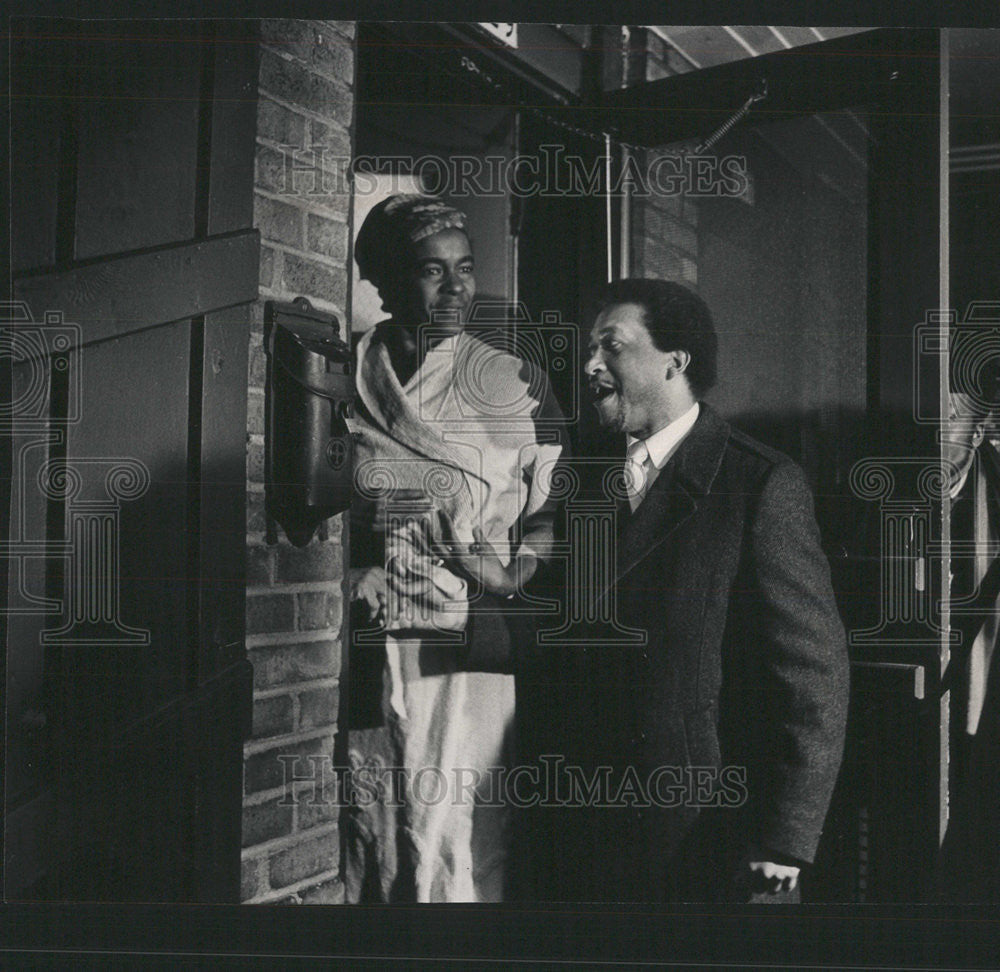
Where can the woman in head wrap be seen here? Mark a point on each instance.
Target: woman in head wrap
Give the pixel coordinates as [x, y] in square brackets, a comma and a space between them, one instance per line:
[456, 441]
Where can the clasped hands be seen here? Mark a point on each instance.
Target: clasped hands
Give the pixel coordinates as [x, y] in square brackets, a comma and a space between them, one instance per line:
[476, 562]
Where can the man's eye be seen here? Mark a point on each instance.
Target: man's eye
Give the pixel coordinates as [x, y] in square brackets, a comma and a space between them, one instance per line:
[467, 269]
[430, 271]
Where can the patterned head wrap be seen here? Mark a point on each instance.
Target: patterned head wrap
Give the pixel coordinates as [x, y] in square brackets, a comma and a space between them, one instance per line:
[390, 228]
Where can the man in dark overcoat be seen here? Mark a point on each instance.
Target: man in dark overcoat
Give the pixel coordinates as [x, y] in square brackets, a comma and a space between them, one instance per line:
[690, 752]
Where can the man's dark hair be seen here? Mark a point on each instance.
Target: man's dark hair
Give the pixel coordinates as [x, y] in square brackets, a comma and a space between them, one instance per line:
[677, 320]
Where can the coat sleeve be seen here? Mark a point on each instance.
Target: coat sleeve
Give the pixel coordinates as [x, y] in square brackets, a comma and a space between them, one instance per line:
[551, 446]
[801, 669]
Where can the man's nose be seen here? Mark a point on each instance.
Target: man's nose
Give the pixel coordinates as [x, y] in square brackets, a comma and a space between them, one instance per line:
[453, 283]
[593, 364]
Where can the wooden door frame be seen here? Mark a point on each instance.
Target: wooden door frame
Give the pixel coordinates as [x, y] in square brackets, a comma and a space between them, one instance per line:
[207, 285]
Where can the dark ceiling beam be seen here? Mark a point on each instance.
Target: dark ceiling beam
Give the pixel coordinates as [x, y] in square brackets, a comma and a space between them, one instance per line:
[868, 69]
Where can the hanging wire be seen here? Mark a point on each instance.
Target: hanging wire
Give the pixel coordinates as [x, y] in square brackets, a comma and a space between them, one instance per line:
[601, 137]
[759, 95]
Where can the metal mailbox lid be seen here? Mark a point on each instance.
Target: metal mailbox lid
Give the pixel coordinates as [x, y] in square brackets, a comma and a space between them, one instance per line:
[307, 346]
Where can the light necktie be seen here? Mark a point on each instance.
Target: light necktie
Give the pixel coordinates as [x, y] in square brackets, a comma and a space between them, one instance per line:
[635, 471]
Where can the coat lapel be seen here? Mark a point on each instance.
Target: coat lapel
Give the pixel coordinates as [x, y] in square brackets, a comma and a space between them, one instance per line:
[675, 495]
[662, 511]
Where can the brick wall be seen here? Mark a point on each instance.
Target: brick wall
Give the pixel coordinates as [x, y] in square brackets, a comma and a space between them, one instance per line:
[294, 597]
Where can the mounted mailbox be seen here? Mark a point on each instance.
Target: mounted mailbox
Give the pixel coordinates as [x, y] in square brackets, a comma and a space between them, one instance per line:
[308, 398]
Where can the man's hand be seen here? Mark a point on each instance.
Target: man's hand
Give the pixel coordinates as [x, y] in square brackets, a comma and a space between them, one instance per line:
[476, 561]
[368, 585]
[765, 876]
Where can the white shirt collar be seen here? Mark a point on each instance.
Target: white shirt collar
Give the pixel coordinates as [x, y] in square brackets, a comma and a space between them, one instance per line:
[663, 443]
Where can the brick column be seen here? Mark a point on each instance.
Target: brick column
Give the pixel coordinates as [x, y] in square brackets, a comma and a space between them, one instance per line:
[294, 603]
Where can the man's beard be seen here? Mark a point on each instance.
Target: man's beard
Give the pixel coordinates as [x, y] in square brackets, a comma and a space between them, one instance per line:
[613, 420]
[617, 421]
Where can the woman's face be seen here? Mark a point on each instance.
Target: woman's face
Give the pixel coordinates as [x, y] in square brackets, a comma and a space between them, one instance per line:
[961, 437]
[440, 281]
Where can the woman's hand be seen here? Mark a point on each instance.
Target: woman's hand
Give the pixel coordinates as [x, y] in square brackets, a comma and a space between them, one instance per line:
[368, 585]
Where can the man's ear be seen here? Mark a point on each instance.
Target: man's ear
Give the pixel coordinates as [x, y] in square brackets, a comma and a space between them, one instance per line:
[677, 362]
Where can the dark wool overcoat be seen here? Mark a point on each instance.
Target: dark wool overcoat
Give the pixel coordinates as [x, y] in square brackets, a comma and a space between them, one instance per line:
[709, 714]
